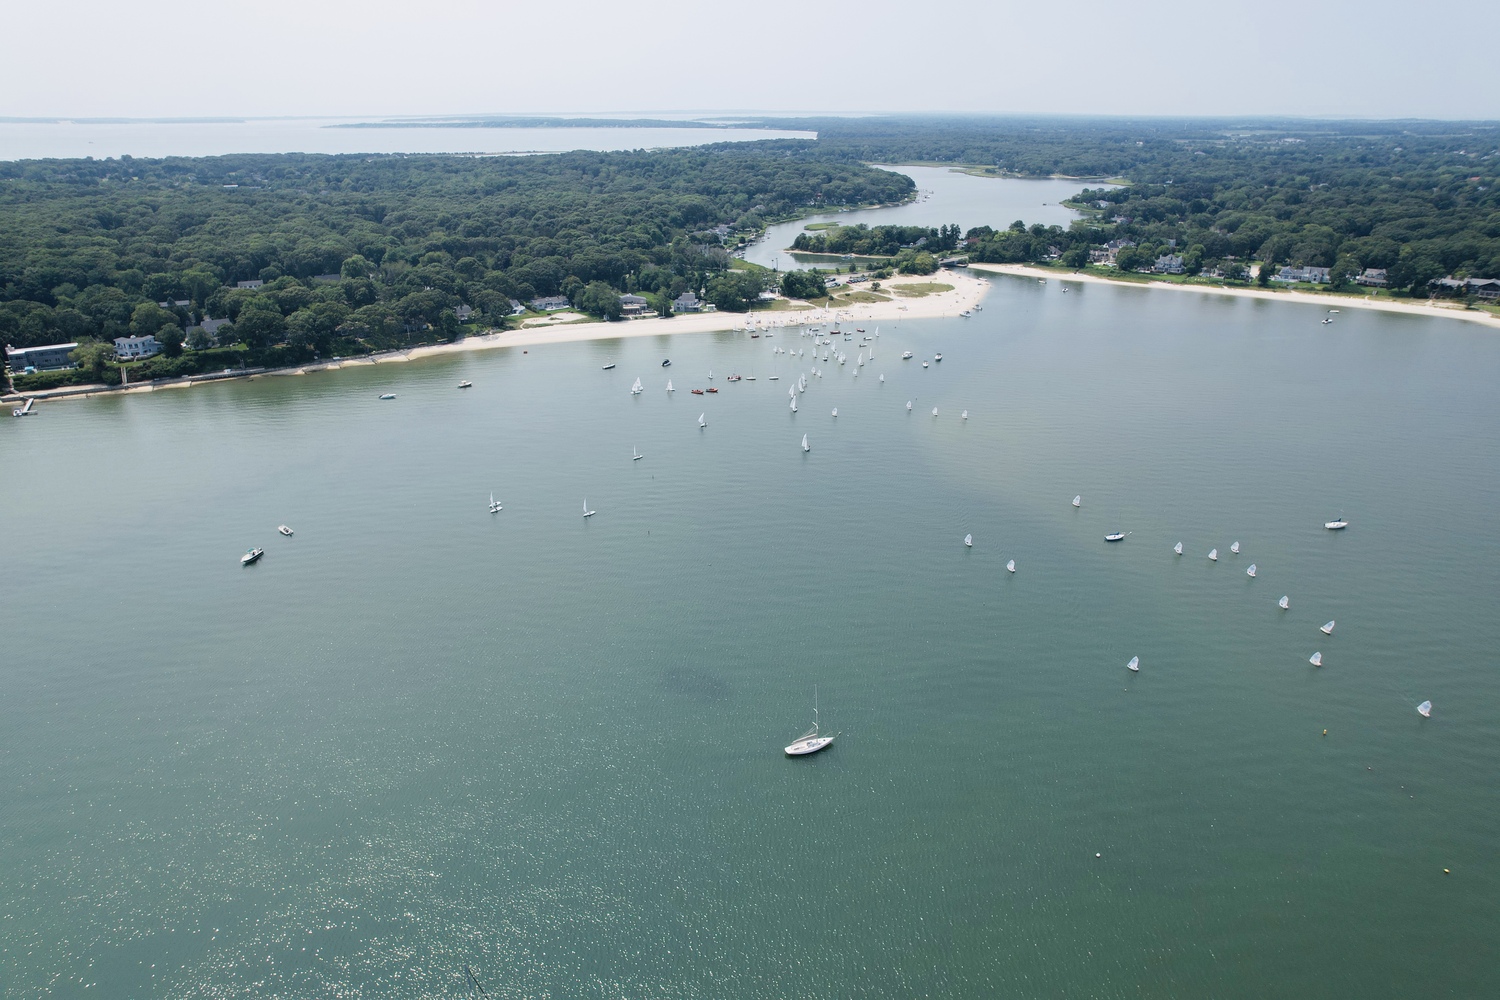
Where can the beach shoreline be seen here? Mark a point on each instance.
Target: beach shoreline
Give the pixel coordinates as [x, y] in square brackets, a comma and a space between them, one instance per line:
[966, 293]
[1433, 309]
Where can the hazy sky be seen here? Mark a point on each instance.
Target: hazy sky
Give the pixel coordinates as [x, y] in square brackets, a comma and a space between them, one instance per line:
[1372, 58]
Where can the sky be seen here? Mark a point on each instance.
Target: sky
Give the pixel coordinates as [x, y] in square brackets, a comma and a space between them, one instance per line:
[174, 58]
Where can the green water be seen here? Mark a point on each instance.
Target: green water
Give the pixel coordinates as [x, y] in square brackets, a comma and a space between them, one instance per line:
[417, 735]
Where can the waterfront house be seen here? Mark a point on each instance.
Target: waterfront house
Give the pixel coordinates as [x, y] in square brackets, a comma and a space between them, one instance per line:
[1373, 276]
[40, 359]
[687, 302]
[463, 312]
[634, 305]
[135, 348]
[1309, 275]
[516, 308]
[549, 303]
[1484, 288]
[1168, 264]
[256, 283]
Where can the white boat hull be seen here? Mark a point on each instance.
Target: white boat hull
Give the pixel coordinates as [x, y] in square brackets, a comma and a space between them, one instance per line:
[810, 745]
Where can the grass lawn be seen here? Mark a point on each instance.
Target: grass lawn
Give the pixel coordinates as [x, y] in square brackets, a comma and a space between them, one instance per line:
[851, 298]
[917, 289]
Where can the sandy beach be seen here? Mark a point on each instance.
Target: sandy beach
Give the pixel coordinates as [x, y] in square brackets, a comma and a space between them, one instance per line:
[1431, 309]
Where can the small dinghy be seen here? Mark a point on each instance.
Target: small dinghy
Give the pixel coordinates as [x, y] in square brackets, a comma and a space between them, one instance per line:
[1285, 603]
[794, 404]
[1425, 710]
[1177, 548]
[701, 421]
[835, 411]
[1078, 500]
[666, 363]
[1316, 659]
[1326, 629]
[908, 406]
[284, 530]
[387, 395]
[466, 384]
[586, 511]
[964, 415]
[934, 411]
[1234, 547]
[635, 456]
[924, 364]
[669, 386]
[1134, 666]
[1118, 536]
[637, 389]
[1213, 555]
[1010, 567]
[968, 541]
[1251, 571]
[608, 366]
[804, 443]
[882, 378]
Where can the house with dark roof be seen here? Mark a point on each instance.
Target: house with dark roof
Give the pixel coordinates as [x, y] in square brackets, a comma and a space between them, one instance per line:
[687, 302]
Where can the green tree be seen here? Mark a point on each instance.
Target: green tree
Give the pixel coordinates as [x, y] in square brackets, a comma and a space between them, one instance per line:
[260, 327]
[921, 262]
[599, 299]
[1267, 268]
[802, 285]
[148, 318]
[93, 357]
[170, 337]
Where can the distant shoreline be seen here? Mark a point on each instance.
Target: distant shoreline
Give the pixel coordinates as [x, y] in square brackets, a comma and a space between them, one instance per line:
[1432, 310]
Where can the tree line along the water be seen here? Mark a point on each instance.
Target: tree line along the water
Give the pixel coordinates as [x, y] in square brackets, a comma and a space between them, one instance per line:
[364, 252]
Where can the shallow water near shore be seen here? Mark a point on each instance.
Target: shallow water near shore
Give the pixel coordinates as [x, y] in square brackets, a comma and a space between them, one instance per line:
[417, 734]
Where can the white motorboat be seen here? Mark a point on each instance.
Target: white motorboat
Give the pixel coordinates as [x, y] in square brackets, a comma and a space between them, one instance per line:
[1336, 525]
[1134, 665]
[924, 364]
[968, 541]
[635, 455]
[811, 741]
[1316, 659]
[1326, 629]
[251, 556]
[387, 395]
[609, 366]
[1177, 548]
[1010, 567]
[284, 530]
[1213, 555]
[937, 357]
[1234, 547]
[466, 384]
[906, 355]
[1078, 500]
[1285, 603]
[1251, 571]
[804, 443]
[1425, 710]
[1118, 536]
[586, 511]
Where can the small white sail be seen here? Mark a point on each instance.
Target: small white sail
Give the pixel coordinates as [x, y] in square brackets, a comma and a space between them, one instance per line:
[669, 386]
[1316, 659]
[1285, 603]
[1326, 629]
[635, 455]
[1010, 566]
[934, 411]
[1425, 710]
[969, 541]
[835, 411]
[964, 415]
[1177, 548]
[1251, 570]
[1078, 500]
[636, 389]
[1234, 547]
[701, 421]
[882, 378]
[1213, 555]
[908, 406]
[1134, 664]
[586, 511]
[804, 443]
[794, 404]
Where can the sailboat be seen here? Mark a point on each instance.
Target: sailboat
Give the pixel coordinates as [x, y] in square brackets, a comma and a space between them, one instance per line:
[882, 378]
[495, 505]
[636, 389]
[794, 404]
[964, 415]
[1118, 536]
[1326, 629]
[934, 411]
[1078, 500]
[968, 541]
[1010, 567]
[701, 421]
[1213, 555]
[1338, 524]
[669, 386]
[1234, 547]
[1316, 659]
[1134, 665]
[835, 411]
[1177, 548]
[1251, 571]
[804, 443]
[810, 741]
[1425, 710]
[710, 374]
[586, 511]
[1285, 603]
[908, 406]
[635, 456]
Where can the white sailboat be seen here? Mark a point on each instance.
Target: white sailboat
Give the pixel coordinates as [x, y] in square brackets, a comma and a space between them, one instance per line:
[1338, 524]
[635, 456]
[1285, 603]
[1251, 571]
[835, 411]
[495, 505]
[1177, 548]
[637, 389]
[968, 541]
[1213, 555]
[710, 374]
[804, 443]
[702, 422]
[669, 386]
[1326, 629]
[586, 511]
[1234, 547]
[934, 411]
[1078, 500]
[908, 406]
[1010, 567]
[810, 741]
[1134, 666]
[1316, 659]
[964, 415]
[794, 404]
[1425, 710]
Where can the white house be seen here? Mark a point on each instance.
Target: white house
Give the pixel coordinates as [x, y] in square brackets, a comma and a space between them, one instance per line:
[686, 302]
[135, 348]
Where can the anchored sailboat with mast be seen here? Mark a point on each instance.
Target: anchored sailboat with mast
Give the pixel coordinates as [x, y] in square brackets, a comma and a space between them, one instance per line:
[810, 741]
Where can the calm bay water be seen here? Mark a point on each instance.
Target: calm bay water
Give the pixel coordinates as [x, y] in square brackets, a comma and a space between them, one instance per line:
[417, 735]
[40, 140]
